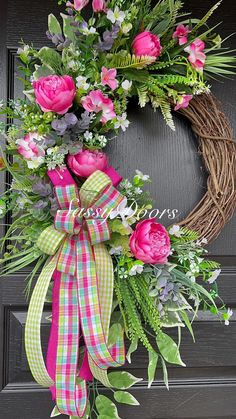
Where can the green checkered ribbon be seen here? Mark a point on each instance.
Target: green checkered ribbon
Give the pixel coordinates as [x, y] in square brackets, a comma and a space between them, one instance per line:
[33, 325]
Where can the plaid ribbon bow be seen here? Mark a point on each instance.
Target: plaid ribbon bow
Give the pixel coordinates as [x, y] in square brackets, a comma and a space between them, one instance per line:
[85, 291]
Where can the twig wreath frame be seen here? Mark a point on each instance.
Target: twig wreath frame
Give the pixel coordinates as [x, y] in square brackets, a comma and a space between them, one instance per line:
[218, 151]
[108, 273]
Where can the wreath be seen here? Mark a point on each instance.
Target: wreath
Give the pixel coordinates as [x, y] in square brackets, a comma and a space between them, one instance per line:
[100, 257]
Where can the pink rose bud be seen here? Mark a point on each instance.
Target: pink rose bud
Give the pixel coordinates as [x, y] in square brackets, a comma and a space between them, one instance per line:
[54, 93]
[99, 6]
[86, 162]
[147, 43]
[150, 242]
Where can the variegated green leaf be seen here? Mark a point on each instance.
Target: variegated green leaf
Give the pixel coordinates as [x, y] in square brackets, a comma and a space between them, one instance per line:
[122, 379]
[126, 398]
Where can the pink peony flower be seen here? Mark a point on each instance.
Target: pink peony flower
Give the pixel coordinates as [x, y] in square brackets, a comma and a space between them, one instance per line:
[54, 93]
[183, 102]
[99, 6]
[108, 77]
[147, 43]
[29, 148]
[196, 55]
[96, 102]
[150, 242]
[182, 33]
[78, 4]
[86, 162]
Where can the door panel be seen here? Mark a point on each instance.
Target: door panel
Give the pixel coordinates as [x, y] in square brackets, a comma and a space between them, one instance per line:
[206, 387]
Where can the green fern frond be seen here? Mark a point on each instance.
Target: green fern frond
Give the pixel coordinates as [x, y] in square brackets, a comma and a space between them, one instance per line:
[166, 112]
[210, 265]
[171, 79]
[166, 64]
[132, 317]
[205, 18]
[22, 184]
[187, 235]
[142, 95]
[155, 101]
[155, 89]
[159, 99]
[147, 308]
[121, 61]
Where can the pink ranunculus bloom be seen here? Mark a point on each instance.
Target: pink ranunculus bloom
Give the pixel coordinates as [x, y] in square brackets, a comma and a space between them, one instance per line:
[196, 55]
[30, 149]
[78, 4]
[182, 34]
[146, 43]
[150, 242]
[55, 93]
[96, 102]
[86, 162]
[99, 6]
[108, 76]
[183, 102]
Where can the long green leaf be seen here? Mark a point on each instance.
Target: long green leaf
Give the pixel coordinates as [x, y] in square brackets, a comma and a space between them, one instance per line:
[169, 349]
[152, 366]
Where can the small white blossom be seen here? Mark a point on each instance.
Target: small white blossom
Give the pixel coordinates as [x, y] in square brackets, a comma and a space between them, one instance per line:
[122, 211]
[116, 250]
[24, 50]
[102, 140]
[191, 276]
[138, 191]
[122, 122]
[127, 185]
[214, 276]
[91, 30]
[142, 176]
[88, 31]
[88, 135]
[175, 230]
[116, 16]
[126, 85]
[227, 316]
[123, 274]
[71, 64]
[81, 83]
[136, 269]
[50, 151]
[201, 242]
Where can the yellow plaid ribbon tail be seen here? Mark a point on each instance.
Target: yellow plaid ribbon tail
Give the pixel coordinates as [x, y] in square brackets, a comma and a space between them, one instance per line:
[33, 324]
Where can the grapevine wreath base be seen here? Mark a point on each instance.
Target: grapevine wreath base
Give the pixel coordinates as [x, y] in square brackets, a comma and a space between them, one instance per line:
[218, 150]
[107, 266]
